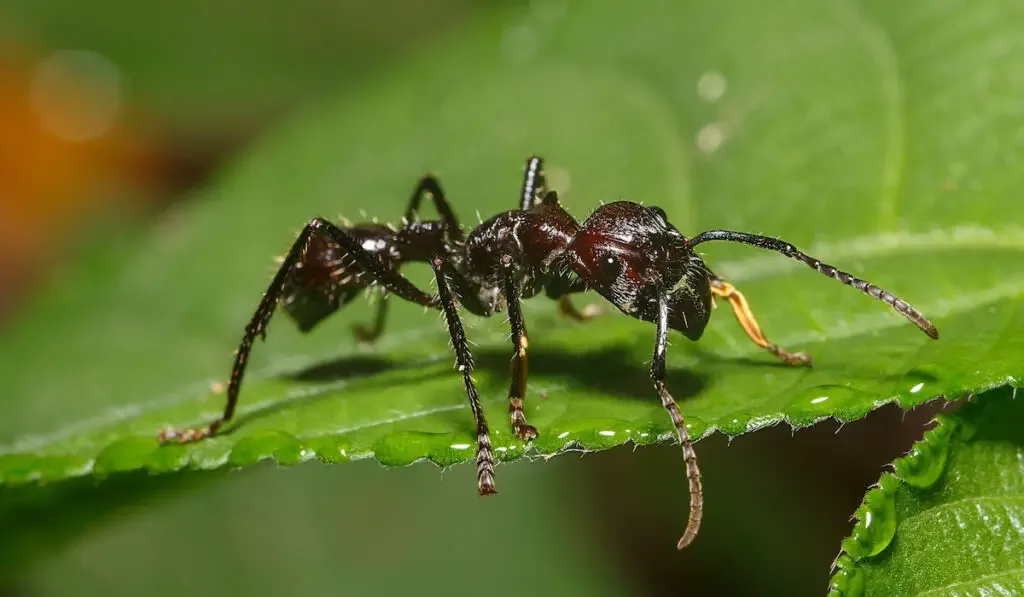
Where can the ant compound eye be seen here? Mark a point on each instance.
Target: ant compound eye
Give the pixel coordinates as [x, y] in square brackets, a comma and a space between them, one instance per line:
[660, 214]
[610, 266]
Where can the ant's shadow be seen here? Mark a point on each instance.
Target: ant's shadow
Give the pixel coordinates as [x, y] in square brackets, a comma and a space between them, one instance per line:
[613, 369]
[610, 369]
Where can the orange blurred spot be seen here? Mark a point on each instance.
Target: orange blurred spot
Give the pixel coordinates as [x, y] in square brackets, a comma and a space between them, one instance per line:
[51, 184]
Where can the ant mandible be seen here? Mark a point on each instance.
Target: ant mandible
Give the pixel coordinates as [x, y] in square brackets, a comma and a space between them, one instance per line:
[629, 253]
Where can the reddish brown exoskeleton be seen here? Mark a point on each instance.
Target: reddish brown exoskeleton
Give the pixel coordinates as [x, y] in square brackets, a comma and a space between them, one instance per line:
[629, 253]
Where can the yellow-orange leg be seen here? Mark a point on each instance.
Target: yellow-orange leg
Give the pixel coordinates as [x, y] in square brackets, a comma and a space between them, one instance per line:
[566, 308]
[745, 316]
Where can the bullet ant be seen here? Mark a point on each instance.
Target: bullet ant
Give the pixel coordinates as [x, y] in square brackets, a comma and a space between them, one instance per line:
[630, 254]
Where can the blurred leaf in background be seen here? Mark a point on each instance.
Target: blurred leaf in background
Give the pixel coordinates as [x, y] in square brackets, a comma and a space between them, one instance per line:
[114, 107]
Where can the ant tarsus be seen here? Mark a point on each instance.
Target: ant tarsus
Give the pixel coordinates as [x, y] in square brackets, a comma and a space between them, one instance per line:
[628, 253]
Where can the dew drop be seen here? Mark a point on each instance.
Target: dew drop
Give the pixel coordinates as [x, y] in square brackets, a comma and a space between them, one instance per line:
[876, 522]
[848, 580]
[917, 387]
[817, 402]
[606, 433]
[460, 446]
[923, 465]
[696, 427]
[732, 426]
[563, 435]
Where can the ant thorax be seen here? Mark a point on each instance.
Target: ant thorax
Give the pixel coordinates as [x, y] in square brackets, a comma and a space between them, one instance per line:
[629, 253]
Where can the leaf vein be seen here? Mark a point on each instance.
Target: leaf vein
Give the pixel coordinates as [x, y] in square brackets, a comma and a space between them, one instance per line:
[962, 501]
[1019, 572]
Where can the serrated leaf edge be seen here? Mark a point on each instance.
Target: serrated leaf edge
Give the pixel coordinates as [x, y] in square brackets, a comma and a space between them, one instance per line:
[847, 577]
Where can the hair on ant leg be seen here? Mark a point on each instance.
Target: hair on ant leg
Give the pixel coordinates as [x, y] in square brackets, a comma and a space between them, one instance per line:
[627, 252]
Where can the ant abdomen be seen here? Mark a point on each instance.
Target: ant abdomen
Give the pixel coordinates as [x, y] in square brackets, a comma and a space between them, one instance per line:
[627, 252]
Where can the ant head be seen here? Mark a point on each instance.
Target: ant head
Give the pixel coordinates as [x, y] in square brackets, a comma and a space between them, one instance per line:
[628, 252]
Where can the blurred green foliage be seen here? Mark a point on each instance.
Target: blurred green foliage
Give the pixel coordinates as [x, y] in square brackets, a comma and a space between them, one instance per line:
[207, 67]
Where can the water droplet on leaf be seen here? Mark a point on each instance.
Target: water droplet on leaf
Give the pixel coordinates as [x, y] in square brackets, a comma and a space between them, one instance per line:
[924, 465]
[876, 521]
[848, 580]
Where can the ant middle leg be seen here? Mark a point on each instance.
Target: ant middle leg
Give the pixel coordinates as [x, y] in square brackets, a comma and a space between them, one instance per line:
[741, 309]
[464, 360]
[430, 185]
[389, 278]
[520, 342]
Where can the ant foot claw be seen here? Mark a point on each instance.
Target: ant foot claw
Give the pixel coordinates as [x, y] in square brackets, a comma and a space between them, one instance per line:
[525, 432]
[364, 334]
[183, 436]
[798, 359]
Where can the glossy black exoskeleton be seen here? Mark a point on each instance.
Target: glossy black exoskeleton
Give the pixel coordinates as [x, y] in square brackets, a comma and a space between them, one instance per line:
[629, 253]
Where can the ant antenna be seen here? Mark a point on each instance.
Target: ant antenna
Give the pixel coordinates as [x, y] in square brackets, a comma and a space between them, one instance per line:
[780, 246]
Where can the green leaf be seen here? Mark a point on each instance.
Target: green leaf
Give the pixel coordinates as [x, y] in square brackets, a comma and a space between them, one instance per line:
[948, 521]
[831, 125]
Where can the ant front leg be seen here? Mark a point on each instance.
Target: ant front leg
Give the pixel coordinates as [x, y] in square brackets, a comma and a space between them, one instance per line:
[520, 341]
[389, 278]
[464, 359]
[745, 316]
[692, 470]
